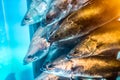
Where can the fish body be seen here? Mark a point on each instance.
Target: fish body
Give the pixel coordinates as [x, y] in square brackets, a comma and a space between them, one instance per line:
[37, 11]
[39, 44]
[88, 67]
[86, 19]
[50, 11]
[104, 41]
[61, 9]
[58, 49]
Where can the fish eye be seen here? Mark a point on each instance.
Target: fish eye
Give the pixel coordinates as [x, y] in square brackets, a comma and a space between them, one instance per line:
[56, 36]
[30, 56]
[51, 33]
[35, 58]
[26, 18]
[51, 65]
[75, 52]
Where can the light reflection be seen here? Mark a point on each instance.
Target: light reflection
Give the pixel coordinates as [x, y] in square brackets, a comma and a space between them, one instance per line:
[118, 19]
[118, 56]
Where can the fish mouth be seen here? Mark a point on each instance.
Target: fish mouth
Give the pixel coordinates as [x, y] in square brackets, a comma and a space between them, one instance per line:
[47, 67]
[26, 21]
[37, 50]
[28, 59]
[52, 38]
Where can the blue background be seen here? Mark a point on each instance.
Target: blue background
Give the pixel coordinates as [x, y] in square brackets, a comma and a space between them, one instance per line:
[14, 41]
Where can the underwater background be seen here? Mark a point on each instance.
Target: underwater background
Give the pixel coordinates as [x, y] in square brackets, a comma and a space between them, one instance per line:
[14, 41]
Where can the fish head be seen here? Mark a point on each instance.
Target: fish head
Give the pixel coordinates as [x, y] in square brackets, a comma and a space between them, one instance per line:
[53, 15]
[79, 52]
[36, 12]
[75, 53]
[66, 31]
[37, 49]
[29, 58]
[62, 68]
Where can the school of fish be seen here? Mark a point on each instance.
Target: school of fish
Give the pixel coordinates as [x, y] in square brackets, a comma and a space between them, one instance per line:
[75, 39]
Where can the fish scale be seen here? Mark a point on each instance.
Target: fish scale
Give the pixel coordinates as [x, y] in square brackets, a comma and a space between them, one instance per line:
[96, 69]
[61, 9]
[86, 19]
[104, 41]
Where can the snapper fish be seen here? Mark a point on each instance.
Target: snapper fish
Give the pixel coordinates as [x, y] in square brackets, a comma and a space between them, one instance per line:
[86, 19]
[104, 41]
[92, 67]
[51, 11]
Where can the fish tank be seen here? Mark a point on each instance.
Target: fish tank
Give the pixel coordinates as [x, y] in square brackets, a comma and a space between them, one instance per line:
[38, 40]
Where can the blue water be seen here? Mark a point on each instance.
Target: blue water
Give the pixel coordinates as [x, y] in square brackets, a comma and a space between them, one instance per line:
[14, 41]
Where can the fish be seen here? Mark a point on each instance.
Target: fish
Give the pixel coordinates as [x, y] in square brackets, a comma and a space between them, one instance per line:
[60, 9]
[51, 11]
[45, 76]
[36, 51]
[36, 12]
[104, 41]
[55, 59]
[89, 67]
[60, 49]
[86, 19]
[39, 45]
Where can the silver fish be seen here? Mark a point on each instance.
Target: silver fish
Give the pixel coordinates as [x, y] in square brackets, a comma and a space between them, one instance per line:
[104, 41]
[61, 9]
[37, 11]
[51, 11]
[86, 19]
[39, 45]
[60, 49]
[89, 67]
